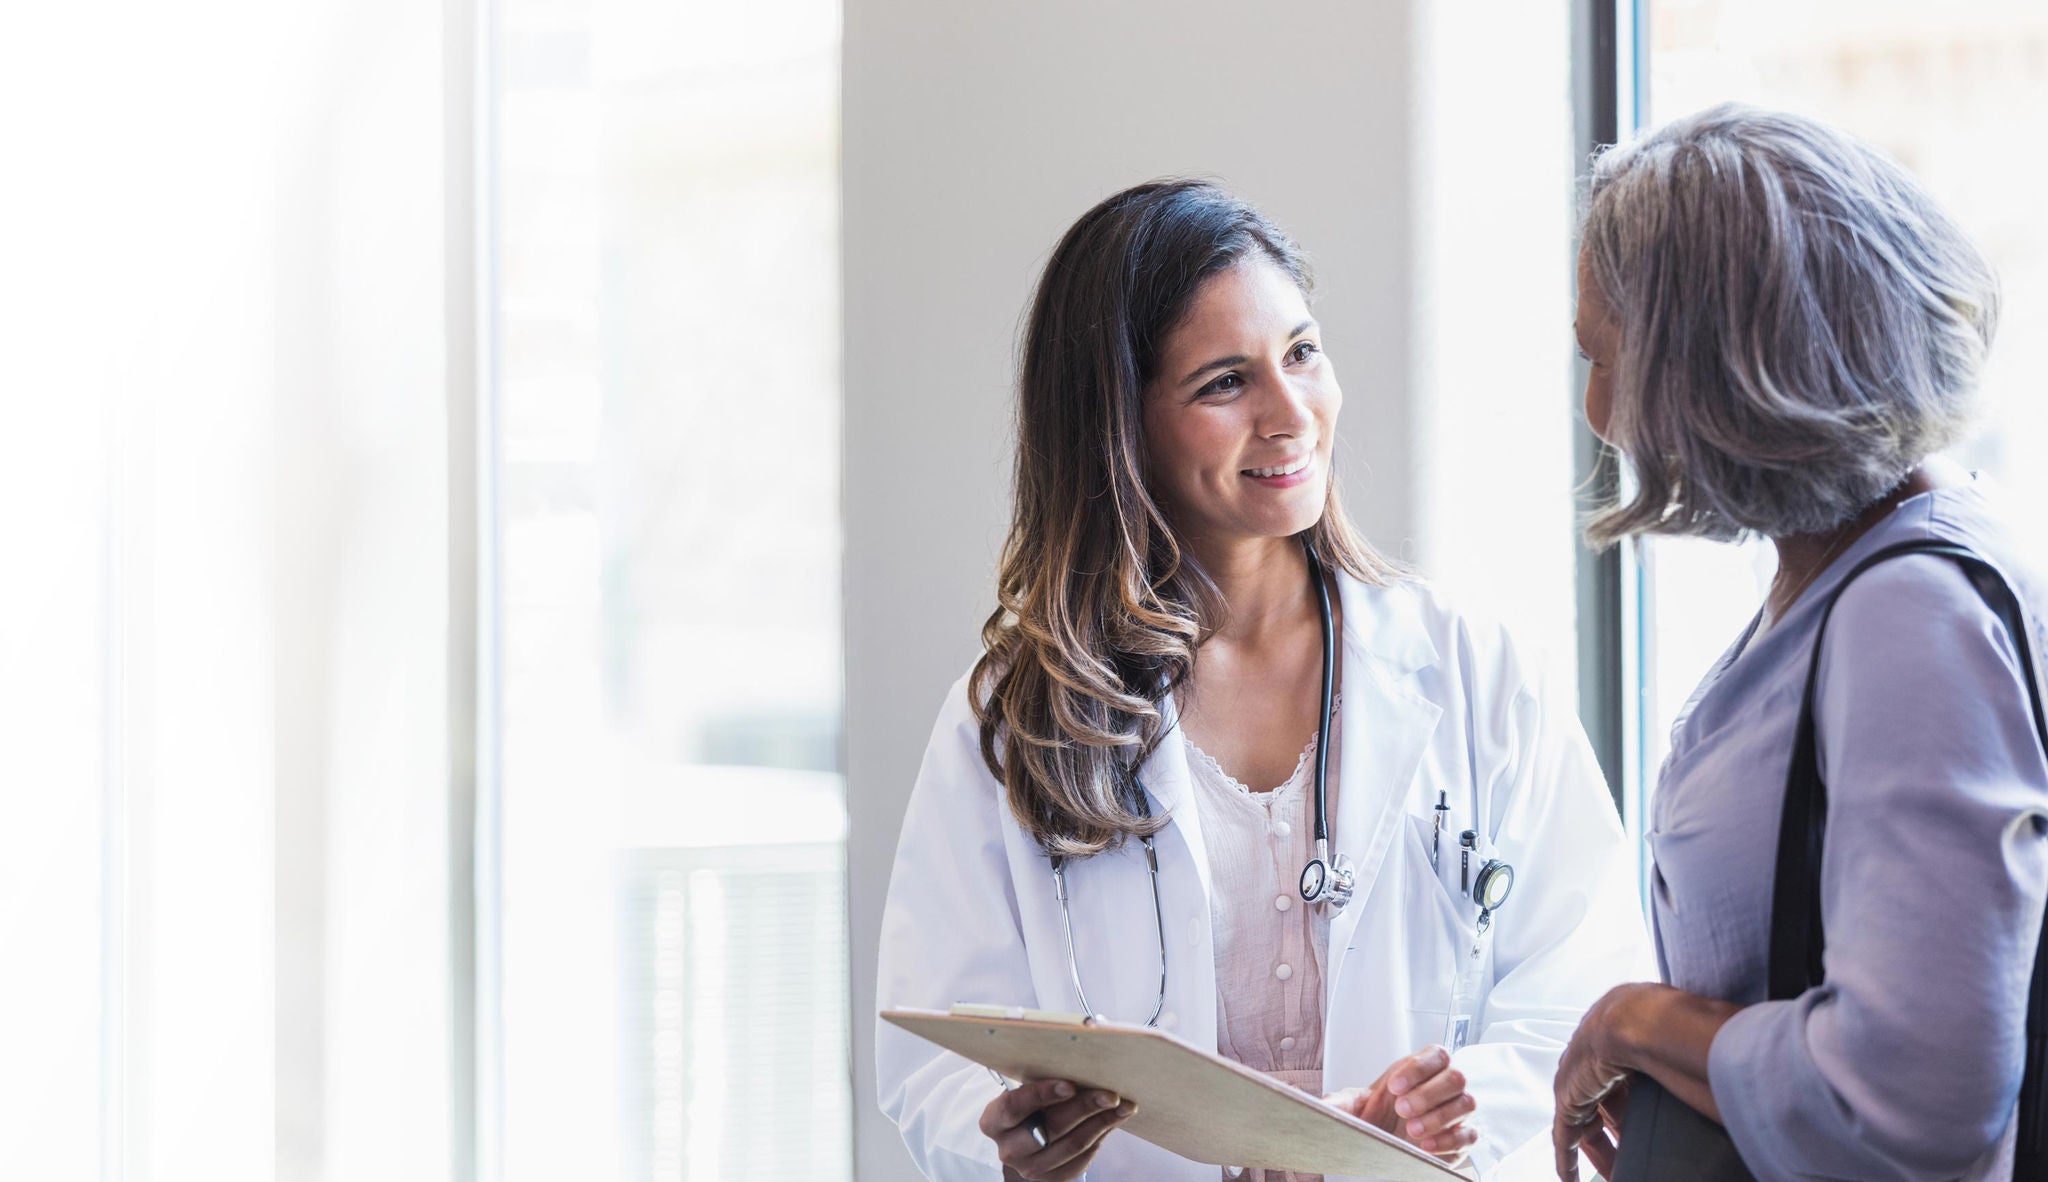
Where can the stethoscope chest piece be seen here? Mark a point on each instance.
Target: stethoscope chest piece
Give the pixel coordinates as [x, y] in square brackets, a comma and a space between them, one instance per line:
[1328, 880]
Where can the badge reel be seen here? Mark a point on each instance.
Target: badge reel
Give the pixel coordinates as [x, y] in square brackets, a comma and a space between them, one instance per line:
[1487, 889]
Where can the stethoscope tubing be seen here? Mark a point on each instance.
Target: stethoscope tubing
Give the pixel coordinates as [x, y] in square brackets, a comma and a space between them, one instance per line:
[1329, 703]
[1059, 878]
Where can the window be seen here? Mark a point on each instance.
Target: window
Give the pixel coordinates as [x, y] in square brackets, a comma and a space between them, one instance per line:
[672, 912]
[1957, 94]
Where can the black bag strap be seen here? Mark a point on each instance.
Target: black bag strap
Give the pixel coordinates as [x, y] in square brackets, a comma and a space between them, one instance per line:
[1797, 937]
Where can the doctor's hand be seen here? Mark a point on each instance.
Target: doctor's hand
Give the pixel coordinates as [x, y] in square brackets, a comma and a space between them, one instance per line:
[1073, 1123]
[1420, 1099]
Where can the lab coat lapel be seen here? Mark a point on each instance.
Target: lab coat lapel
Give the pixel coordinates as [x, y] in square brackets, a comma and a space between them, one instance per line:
[1183, 871]
[1166, 779]
[1386, 726]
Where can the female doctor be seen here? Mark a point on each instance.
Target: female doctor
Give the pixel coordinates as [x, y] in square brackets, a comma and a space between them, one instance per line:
[1197, 664]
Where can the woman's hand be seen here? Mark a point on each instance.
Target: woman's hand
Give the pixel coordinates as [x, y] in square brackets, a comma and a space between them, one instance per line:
[1420, 1099]
[1073, 1124]
[1591, 1084]
[1663, 1032]
[1600, 1139]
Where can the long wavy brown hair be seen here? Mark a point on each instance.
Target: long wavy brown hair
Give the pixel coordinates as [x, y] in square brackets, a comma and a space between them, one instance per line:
[1100, 608]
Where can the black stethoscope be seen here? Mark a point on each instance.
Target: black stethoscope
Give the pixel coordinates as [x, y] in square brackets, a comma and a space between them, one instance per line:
[1324, 881]
[1328, 881]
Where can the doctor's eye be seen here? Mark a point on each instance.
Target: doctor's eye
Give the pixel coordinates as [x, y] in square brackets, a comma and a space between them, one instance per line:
[1303, 351]
[1228, 383]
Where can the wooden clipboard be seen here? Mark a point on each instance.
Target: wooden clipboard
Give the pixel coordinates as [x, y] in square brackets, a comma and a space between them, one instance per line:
[1190, 1102]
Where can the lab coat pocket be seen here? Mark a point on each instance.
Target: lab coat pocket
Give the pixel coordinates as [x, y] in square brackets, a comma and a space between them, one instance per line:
[1439, 883]
[1448, 955]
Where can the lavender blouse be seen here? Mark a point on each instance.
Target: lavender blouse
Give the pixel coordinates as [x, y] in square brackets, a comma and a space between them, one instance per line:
[1906, 1063]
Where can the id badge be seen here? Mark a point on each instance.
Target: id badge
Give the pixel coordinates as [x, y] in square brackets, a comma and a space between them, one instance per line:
[1466, 992]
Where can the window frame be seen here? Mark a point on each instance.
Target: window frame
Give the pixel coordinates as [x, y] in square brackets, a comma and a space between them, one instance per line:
[1609, 98]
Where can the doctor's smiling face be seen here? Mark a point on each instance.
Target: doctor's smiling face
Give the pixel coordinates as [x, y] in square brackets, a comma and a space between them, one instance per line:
[1241, 415]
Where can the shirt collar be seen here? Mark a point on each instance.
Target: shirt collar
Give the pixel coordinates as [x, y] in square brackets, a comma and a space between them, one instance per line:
[1386, 624]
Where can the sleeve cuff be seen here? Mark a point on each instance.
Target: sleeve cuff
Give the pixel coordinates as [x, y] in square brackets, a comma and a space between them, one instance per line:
[1734, 1061]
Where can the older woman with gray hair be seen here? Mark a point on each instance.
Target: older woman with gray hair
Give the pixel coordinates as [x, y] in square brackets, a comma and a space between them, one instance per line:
[1784, 331]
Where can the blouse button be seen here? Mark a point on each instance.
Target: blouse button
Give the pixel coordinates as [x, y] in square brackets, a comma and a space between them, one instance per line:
[1282, 829]
[1284, 972]
[1286, 1044]
[1282, 903]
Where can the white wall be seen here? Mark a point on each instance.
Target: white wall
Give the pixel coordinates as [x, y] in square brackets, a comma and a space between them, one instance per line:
[975, 133]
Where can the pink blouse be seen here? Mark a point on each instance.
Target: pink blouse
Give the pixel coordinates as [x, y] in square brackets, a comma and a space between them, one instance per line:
[1271, 948]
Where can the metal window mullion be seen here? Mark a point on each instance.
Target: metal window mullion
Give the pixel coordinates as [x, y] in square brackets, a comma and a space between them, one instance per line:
[1596, 85]
[1609, 86]
[469, 317]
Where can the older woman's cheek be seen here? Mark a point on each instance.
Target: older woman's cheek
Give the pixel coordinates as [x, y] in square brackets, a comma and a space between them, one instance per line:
[1599, 403]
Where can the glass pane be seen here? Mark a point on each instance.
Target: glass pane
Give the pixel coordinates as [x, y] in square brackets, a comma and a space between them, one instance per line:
[673, 903]
[1957, 93]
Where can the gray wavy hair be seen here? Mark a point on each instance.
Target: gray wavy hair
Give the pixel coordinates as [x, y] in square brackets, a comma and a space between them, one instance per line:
[1800, 324]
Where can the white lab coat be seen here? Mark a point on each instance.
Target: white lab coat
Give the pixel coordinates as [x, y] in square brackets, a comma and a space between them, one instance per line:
[1430, 700]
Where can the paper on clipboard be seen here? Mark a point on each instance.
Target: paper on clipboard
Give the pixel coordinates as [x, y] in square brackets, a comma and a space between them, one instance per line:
[1190, 1102]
